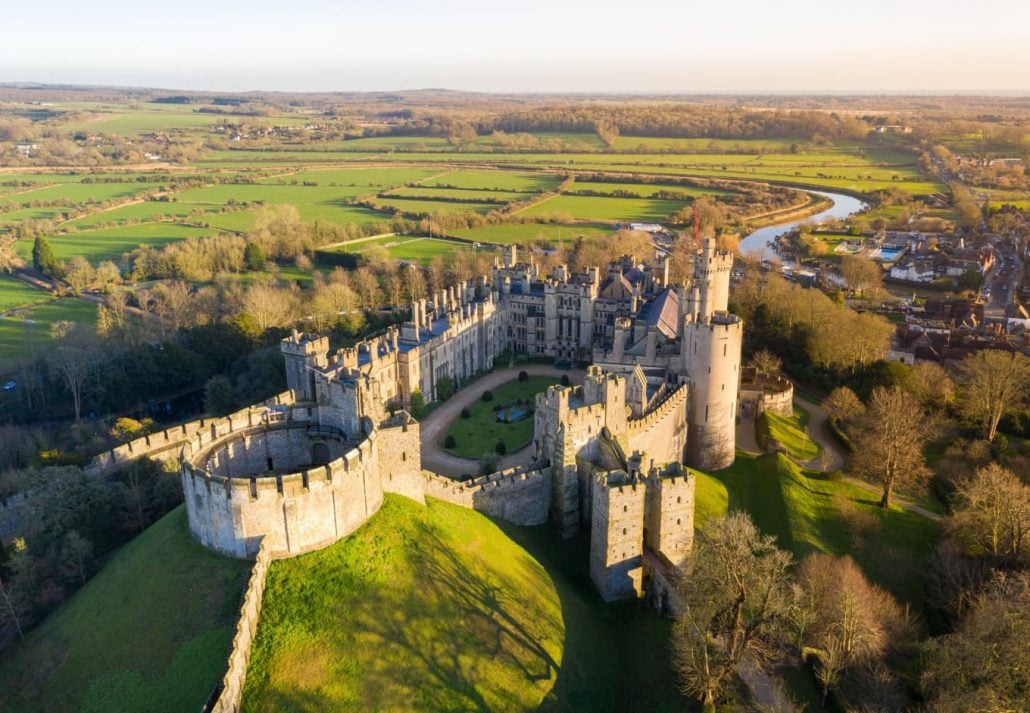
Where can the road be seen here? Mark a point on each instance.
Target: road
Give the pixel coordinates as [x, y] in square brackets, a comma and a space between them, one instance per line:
[1003, 279]
[434, 426]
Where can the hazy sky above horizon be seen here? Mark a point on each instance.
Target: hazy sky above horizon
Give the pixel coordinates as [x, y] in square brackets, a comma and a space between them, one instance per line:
[553, 46]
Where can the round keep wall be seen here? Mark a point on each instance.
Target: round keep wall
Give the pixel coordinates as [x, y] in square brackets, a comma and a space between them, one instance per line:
[261, 482]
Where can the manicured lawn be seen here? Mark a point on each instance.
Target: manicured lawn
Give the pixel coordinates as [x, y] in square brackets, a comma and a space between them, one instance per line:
[480, 433]
[15, 293]
[423, 608]
[112, 243]
[25, 333]
[790, 432]
[531, 232]
[648, 210]
[150, 632]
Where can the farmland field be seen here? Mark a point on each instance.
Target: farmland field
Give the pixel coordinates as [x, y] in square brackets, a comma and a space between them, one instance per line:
[645, 210]
[147, 210]
[530, 232]
[25, 333]
[312, 202]
[644, 190]
[407, 248]
[497, 180]
[111, 243]
[463, 194]
[15, 293]
[375, 177]
[431, 207]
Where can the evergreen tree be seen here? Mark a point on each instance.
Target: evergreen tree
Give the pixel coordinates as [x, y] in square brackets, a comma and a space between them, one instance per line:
[254, 256]
[43, 257]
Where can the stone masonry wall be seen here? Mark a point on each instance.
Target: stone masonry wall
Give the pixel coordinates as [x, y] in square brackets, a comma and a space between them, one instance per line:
[617, 537]
[518, 496]
[400, 458]
[166, 443]
[768, 392]
[294, 513]
[662, 434]
[230, 696]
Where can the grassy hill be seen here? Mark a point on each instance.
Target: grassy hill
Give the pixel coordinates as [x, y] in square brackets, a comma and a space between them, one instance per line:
[150, 632]
[423, 608]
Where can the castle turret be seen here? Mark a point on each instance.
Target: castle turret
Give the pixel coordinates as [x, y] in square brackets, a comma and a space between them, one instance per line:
[303, 354]
[712, 274]
[712, 353]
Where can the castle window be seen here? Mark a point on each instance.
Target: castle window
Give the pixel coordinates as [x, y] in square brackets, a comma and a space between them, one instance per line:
[404, 456]
[678, 521]
[625, 508]
[624, 531]
[679, 499]
[724, 348]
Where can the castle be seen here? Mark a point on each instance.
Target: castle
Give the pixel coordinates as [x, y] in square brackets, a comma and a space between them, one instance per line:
[305, 469]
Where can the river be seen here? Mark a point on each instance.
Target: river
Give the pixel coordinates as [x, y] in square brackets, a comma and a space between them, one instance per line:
[842, 207]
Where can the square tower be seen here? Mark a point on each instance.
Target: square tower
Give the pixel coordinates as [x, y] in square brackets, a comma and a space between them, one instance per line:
[617, 536]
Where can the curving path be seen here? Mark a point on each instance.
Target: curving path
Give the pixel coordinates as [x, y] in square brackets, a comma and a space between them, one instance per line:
[817, 431]
[434, 426]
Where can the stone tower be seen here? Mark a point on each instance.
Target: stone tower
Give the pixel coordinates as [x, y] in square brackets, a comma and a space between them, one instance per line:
[303, 353]
[617, 536]
[712, 341]
[669, 513]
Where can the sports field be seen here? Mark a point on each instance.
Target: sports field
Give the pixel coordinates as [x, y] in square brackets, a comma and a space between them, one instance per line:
[531, 232]
[112, 243]
[639, 210]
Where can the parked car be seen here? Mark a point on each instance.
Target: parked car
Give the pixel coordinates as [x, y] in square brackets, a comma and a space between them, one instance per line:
[10, 386]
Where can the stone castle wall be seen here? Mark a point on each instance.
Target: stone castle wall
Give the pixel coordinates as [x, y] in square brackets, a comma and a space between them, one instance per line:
[662, 433]
[617, 537]
[522, 497]
[165, 443]
[767, 392]
[295, 513]
[230, 695]
[400, 462]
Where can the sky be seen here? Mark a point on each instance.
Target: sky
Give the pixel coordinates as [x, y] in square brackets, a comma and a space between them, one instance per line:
[667, 46]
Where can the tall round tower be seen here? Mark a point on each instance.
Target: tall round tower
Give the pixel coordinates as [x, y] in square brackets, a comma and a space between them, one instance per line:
[712, 270]
[713, 360]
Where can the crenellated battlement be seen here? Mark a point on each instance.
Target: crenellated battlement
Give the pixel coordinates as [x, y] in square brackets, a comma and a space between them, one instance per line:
[673, 403]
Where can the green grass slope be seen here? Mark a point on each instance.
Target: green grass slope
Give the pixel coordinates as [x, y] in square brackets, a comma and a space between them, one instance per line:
[423, 608]
[789, 432]
[807, 512]
[150, 632]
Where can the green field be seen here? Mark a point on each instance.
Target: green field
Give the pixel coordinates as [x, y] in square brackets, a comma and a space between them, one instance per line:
[112, 243]
[461, 194]
[150, 632]
[25, 333]
[531, 232]
[145, 211]
[425, 249]
[497, 180]
[373, 177]
[642, 210]
[479, 433]
[15, 293]
[431, 207]
[644, 190]
[423, 608]
[329, 203]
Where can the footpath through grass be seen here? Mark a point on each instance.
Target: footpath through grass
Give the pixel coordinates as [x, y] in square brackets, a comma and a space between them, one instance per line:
[480, 433]
[423, 608]
[150, 632]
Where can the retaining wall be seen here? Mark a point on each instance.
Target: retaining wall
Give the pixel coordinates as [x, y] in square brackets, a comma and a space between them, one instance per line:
[768, 392]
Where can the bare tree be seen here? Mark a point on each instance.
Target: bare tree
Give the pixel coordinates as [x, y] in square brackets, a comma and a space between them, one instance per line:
[736, 593]
[843, 404]
[861, 274]
[10, 260]
[73, 358]
[992, 513]
[367, 288]
[889, 441]
[993, 382]
[416, 282]
[766, 362]
[270, 306]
